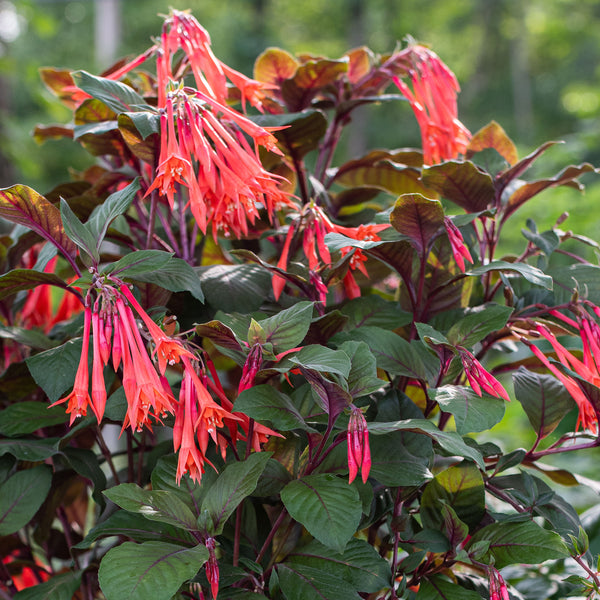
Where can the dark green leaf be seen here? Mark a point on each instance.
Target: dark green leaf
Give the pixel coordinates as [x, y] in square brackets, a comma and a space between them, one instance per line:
[159, 505]
[54, 370]
[58, 587]
[460, 487]
[327, 506]
[287, 328]
[455, 529]
[175, 275]
[419, 219]
[30, 450]
[116, 204]
[237, 481]
[85, 462]
[471, 412]
[273, 478]
[150, 570]
[33, 338]
[235, 288]
[363, 378]
[544, 399]
[21, 496]
[26, 279]
[323, 359]
[134, 264]
[146, 123]
[136, 527]
[265, 403]
[450, 441]
[301, 582]
[437, 588]
[78, 232]
[360, 564]
[478, 323]
[374, 311]
[29, 416]
[524, 542]
[531, 274]
[116, 95]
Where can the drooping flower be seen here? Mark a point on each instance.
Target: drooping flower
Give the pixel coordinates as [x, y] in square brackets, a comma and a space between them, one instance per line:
[212, 567]
[459, 250]
[433, 100]
[498, 589]
[251, 368]
[478, 377]
[312, 224]
[359, 451]
[79, 399]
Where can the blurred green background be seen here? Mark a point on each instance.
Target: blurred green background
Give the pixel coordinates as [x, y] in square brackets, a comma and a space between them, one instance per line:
[533, 66]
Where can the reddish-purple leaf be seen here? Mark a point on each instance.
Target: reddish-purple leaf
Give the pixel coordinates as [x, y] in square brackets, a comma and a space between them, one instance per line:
[23, 205]
[463, 183]
[418, 218]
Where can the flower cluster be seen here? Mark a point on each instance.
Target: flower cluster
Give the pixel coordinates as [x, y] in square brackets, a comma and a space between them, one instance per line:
[478, 377]
[117, 337]
[207, 147]
[312, 224]
[433, 100]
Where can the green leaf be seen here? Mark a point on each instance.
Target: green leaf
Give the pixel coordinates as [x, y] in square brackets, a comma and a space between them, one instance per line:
[471, 412]
[150, 570]
[531, 274]
[330, 396]
[362, 379]
[116, 204]
[235, 288]
[116, 95]
[135, 128]
[450, 441]
[323, 359]
[300, 582]
[327, 506]
[419, 219]
[58, 587]
[33, 338]
[23, 205]
[461, 182]
[138, 263]
[146, 123]
[374, 311]
[524, 542]
[287, 328]
[21, 496]
[78, 232]
[29, 416]
[30, 450]
[159, 505]
[437, 588]
[397, 356]
[138, 528]
[545, 400]
[460, 487]
[237, 481]
[265, 403]
[360, 565]
[478, 323]
[175, 275]
[85, 462]
[54, 370]
[455, 529]
[18, 280]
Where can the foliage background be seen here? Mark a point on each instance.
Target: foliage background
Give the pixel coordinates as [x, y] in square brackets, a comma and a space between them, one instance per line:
[533, 66]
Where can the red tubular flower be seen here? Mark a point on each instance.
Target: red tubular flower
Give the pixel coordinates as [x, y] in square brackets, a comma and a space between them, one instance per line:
[359, 452]
[251, 368]
[479, 378]
[79, 399]
[433, 100]
[459, 250]
[98, 386]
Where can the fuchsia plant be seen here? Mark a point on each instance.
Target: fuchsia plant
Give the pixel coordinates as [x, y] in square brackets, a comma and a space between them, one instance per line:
[263, 325]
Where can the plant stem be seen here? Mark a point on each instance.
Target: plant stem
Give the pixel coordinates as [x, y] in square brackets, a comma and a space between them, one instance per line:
[276, 526]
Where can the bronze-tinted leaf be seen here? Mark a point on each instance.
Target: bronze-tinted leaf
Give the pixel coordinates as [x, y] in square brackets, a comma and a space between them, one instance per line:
[361, 60]
[41, 133]
[26, 279]
[60, 82]
[310, 78]
[493, 136]
[566, 177]
[419, 219]
[461, 182]
[23, 205]
[274, 66]
[144, 148]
